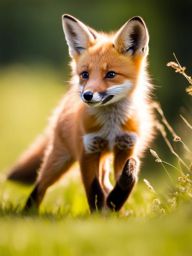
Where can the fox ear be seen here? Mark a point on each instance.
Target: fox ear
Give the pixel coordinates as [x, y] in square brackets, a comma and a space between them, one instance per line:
[77, 34]
[133, 37]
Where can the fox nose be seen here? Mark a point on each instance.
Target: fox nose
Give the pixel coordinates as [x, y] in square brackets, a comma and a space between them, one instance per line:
[88, 95]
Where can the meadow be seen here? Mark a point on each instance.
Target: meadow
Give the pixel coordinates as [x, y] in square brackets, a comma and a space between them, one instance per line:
[155, 221]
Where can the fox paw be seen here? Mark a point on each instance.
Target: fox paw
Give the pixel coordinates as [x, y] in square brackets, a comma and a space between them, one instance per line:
[129, 174]
[126, 141]
[96, 144]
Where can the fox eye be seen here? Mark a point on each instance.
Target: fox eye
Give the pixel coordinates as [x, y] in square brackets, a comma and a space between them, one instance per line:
[110, 74]
[84, 75]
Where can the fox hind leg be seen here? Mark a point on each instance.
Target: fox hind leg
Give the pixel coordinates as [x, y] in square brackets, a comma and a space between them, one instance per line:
[57, 161]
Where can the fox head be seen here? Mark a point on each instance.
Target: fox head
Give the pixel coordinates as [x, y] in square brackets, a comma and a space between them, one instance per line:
[107, 66]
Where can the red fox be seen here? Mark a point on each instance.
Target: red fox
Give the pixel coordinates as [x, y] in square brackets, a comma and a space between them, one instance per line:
[106, 111]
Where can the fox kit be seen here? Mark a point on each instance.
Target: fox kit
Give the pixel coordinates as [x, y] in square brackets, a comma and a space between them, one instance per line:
[106, 111]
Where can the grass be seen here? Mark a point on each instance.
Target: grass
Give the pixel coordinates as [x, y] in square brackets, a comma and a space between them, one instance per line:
[155, 221]
[94, 236]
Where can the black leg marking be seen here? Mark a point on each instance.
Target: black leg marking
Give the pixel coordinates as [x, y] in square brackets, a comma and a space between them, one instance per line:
[123, 187]
[96, 196]
[32, 200]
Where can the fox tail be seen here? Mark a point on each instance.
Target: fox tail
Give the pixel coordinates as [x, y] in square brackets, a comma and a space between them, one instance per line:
[26, 169]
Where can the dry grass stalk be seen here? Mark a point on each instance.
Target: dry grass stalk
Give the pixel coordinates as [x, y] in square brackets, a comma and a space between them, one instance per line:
[181, 70]
[164, 135]
[158, 108]
[159, 160]
[176, 138]
[150, 187]
[155, 155]
[186, 122]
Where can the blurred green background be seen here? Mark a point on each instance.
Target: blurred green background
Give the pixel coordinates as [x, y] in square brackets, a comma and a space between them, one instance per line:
[34, 59]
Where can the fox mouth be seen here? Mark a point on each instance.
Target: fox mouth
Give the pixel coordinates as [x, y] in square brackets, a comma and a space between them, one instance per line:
[100, 100]
[106, 99]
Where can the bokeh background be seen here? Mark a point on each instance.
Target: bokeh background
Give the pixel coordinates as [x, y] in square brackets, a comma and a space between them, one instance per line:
[34, 60]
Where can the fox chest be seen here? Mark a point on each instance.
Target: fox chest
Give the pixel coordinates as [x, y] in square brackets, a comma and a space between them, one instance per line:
[110, 135]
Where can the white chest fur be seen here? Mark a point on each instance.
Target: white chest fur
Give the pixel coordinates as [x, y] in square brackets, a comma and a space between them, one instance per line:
[111, 118]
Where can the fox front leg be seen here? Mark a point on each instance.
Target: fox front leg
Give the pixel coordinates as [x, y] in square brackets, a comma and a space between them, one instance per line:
[124, 186]
[125, 168]
[124, 147]
[56, 162]
[89, 165]
[105, 176]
